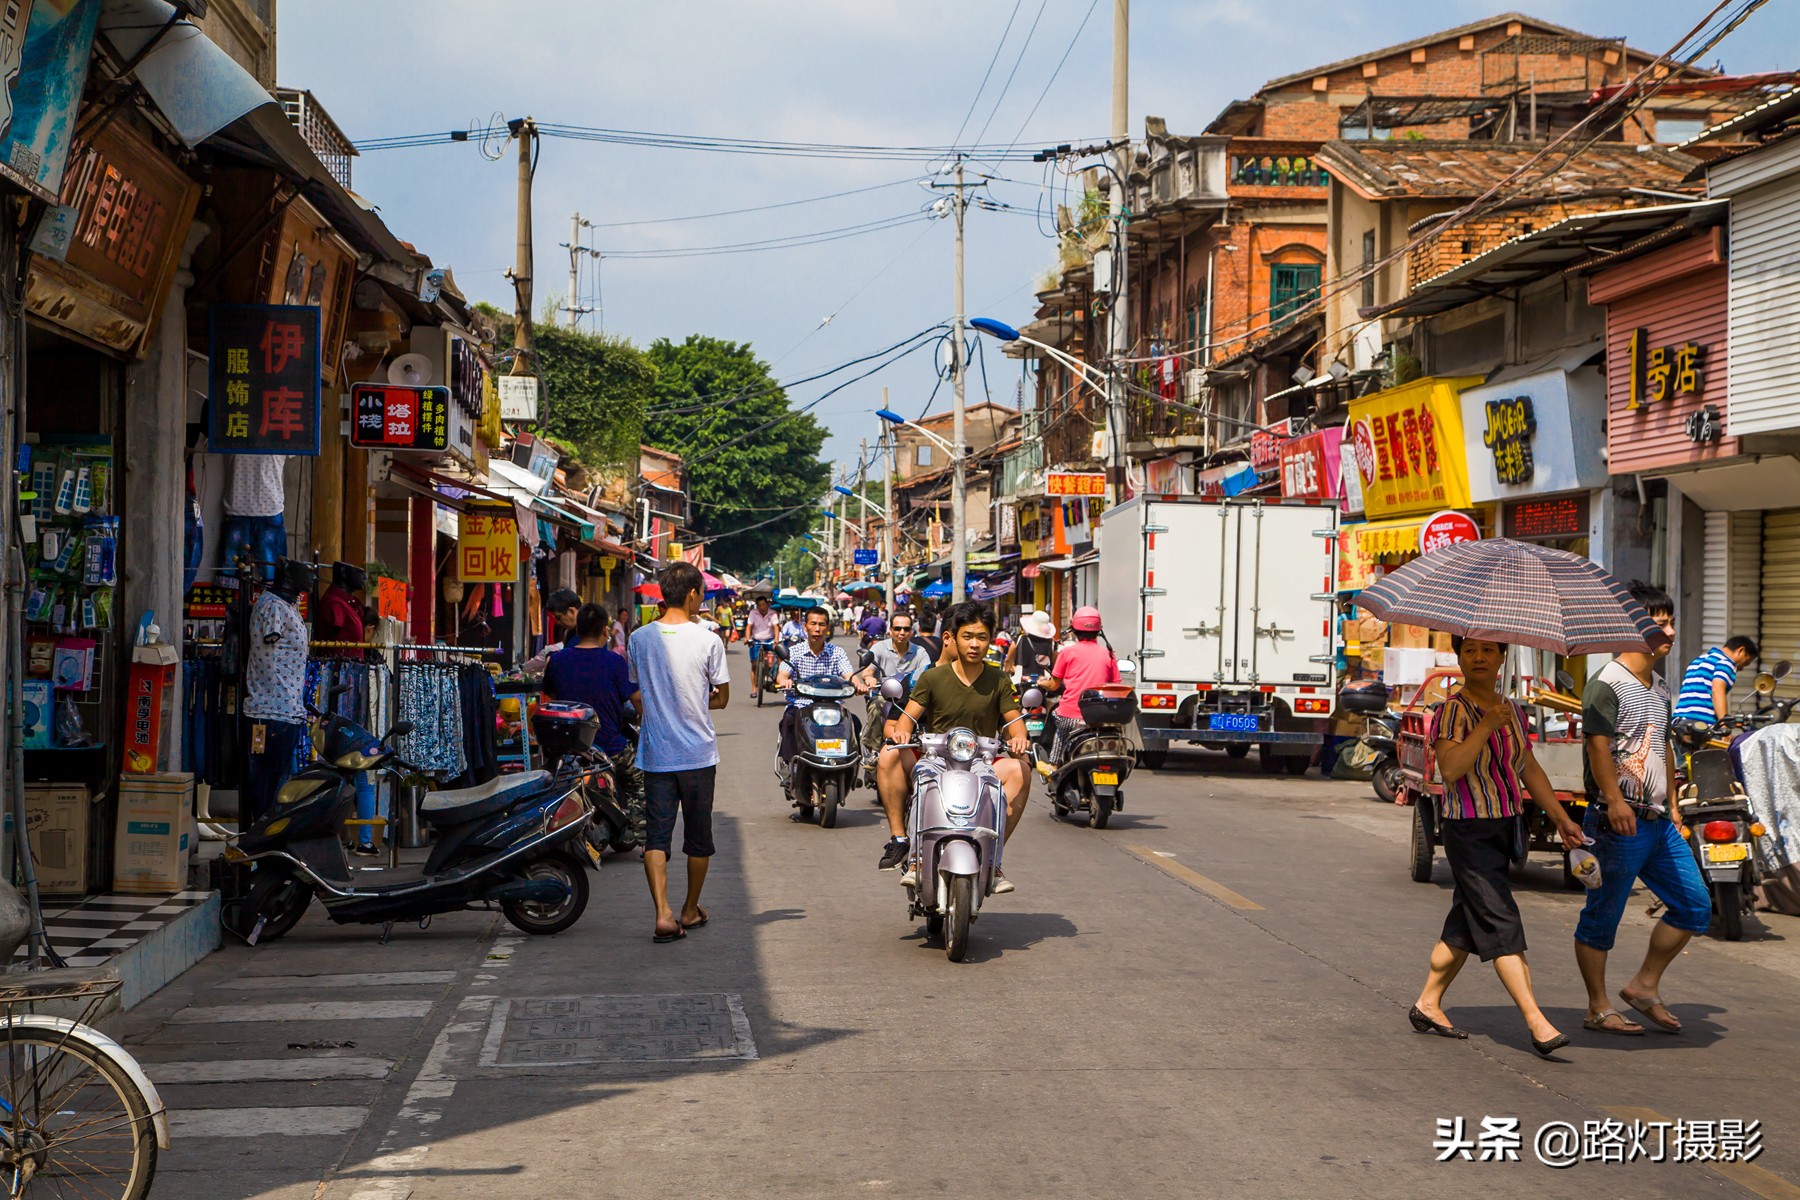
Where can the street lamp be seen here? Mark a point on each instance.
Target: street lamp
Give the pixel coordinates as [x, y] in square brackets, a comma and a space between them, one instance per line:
[959, 538]
[1092, 376]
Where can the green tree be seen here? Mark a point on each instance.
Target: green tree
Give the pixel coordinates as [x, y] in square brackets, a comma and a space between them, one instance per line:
[749, 456]
[594, 392]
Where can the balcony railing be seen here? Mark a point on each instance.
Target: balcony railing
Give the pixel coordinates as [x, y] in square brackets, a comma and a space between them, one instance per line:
[1276, 170]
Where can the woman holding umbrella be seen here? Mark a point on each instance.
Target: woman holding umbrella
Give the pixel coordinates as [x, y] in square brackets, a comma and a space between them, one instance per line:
[1488, 771]
[1490, 593]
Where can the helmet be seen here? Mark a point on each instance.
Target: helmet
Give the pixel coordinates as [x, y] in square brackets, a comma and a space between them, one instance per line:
[1085, 619]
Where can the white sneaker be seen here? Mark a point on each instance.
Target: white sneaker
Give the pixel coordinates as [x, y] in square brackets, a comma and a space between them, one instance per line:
[910, 876]
[1002, 884]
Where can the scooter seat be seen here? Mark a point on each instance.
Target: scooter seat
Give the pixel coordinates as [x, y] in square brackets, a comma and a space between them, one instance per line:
[457, 805]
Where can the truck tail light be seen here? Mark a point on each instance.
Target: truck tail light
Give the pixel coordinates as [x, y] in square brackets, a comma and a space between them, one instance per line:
[1155, 701]
[1312, 706]
[1719, 831]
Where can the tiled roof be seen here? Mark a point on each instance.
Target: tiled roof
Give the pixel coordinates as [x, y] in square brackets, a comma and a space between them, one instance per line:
[1456, 170]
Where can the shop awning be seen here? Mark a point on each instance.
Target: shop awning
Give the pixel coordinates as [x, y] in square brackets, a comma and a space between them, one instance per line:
[1056, 564]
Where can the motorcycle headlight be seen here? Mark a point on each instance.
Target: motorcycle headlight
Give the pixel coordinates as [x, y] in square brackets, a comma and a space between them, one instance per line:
[962, 745]
[825, 718]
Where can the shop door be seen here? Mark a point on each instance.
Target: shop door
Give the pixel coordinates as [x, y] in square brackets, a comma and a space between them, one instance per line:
[1781, 593]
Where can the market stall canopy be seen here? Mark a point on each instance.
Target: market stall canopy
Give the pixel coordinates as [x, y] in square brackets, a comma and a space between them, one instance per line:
[762, 587]
[936, 591]
[713, 583]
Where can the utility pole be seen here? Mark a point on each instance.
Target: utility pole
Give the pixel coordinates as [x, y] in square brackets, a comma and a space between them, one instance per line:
[573, 306]
[862, 497]
[959, 495]
[843, 501]
[888, 541]
[1118, 327]
[525, 130]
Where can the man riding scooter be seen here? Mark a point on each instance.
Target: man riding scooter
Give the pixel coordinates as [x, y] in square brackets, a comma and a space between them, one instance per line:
[896, 658]
[819, 656]
[969, 693]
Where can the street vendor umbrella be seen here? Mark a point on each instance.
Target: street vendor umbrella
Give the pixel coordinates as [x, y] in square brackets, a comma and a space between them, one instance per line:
[650, 591]
[762, 587]
[1500, 590]
[713, 583]
[936, 590]
[843, 597]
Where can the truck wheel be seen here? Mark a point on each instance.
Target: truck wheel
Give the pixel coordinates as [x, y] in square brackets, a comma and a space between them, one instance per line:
[1237, 750]
[1420, 846]
[1296, 764]
[1269, 760]
[1153, 760]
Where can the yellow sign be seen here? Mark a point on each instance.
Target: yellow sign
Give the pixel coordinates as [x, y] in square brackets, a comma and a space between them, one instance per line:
[1408, 447]
[1355, 571]
[675, 549]
[487, 547]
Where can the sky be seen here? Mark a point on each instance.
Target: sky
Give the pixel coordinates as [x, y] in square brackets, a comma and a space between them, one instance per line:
[871, 72]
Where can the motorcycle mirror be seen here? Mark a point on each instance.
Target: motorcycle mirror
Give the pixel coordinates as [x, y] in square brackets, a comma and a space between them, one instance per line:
[868, 659]
[1565, 681]
[893, 689]
[401, 729]
[339, 690]
[1765, 684]
[1033, 698]
[1781, 668]
[1127, 667]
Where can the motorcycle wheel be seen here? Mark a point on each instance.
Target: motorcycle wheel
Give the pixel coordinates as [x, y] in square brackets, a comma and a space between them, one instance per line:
[1237, 749]
[1728, 898]
[830, 796]
[1420, 847]
[538, 918]
[1387, 779]
[956, 921]
[275, 897]
[1099, 812]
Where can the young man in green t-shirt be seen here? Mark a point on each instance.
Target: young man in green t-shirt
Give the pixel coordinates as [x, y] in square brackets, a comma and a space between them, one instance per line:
[967, 692]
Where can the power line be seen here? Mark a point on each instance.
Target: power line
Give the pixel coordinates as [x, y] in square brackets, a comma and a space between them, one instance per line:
[733, 212]
[1007, 86]
[976, 99]
[702, 143]
[701, 404]
[788, 242]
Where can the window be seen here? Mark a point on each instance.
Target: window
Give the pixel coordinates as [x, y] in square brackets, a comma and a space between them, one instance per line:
[1678, 127]
[1368, 283]
[1290, 286]
[924, 459]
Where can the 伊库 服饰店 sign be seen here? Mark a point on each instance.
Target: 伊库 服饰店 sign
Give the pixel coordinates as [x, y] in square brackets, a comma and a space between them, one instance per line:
[264, 393]
[386, 416]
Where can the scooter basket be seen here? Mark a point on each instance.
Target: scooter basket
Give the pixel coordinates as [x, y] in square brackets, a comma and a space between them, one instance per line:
[563, 727]
[1108, 707]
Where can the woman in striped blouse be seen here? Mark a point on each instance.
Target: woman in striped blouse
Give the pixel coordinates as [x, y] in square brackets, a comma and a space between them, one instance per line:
[1488, 771]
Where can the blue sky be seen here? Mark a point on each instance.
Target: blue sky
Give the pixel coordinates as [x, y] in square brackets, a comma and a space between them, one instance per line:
[881, 72]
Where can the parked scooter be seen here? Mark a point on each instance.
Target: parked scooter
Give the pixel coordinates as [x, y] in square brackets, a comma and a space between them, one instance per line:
[1096, 759]
[1379, 745]
[564, 732]
[827, 749]
[956, 828]
[513, 841]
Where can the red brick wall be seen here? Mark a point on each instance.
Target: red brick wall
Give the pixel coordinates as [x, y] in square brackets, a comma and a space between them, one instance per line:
[1241, 278]
[1473, 238]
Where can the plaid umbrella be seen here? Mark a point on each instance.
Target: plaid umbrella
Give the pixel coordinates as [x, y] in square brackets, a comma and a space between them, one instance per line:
[1506, 591]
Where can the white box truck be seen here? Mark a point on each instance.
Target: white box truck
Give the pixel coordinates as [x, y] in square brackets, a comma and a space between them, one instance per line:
[1228, 608]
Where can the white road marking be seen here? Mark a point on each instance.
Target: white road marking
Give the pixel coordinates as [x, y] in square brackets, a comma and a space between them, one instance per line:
[275, 983]
[265, 1122]
[260, 1070]
[343, 1010]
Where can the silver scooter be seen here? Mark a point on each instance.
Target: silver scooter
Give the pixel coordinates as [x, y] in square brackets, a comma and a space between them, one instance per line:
[957, 827]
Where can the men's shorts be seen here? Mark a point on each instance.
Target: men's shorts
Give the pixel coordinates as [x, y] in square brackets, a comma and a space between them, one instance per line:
[689, 793]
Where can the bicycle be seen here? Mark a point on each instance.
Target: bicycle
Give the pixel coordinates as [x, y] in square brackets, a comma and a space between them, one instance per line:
[78, 1116]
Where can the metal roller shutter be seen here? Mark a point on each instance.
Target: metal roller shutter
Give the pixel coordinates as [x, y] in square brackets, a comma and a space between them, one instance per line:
[1715, 623]
[1781, 593]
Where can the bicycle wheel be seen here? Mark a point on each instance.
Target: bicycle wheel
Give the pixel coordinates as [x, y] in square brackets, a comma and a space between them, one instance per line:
[75, 1124]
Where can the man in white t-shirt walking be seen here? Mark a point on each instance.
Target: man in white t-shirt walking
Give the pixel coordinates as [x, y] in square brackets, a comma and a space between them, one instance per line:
[679, 670]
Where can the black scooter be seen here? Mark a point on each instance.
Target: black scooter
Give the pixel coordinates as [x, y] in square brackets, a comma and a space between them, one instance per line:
[827, 749]
[1097, 758]
[514, 842]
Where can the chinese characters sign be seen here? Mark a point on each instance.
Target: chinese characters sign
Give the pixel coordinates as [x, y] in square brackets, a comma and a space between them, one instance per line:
[1075, 483]
[264, 393]
[1558, 517]
[395, 417]
[1408, 444]
[1311, 466]
[1660, 373]
[487, 547]
[1511, 425]
[44, 52]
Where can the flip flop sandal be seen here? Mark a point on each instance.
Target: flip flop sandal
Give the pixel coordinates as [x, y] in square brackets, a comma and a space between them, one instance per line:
[704, 918]
[665, 938]
[1644, 1007]
[1598, 1024]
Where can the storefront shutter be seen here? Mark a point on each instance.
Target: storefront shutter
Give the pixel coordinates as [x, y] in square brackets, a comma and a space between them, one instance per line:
[1781, 592]
[1716, 583]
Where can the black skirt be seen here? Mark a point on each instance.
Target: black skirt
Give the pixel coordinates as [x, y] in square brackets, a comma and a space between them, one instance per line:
[1484, 918]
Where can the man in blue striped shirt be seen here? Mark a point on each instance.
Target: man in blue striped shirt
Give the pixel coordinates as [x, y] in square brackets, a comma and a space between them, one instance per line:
[1708, 682]
[816, 657]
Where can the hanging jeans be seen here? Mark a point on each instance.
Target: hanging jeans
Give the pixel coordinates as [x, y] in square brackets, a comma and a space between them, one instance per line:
[260, 539]
[267, 770]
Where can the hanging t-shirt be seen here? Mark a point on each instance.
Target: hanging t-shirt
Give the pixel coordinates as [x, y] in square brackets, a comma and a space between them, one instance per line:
[275, 678]
[676, 667]
[255, 487]
[1617, 705]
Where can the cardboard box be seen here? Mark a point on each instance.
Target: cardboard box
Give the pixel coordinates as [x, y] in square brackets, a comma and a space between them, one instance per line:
[1440, 641]
[154, 836]
[1409, 637]
[56, 816]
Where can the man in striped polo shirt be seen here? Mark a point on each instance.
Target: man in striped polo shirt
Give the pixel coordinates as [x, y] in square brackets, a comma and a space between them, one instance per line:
[1705, 687]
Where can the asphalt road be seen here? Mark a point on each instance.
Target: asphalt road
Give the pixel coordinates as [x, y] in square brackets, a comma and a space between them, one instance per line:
[1207, 999]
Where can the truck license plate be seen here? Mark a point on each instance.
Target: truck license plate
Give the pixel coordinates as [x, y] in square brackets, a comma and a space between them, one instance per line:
[1111, 777]
[1734, 852]
[831, 748]
[1240, 722]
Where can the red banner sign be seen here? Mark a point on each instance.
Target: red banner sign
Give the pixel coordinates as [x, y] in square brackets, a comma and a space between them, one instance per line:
[1311, 467]
[1075, 483]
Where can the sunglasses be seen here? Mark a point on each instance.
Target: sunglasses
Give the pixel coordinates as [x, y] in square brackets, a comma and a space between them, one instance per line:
[902, 628]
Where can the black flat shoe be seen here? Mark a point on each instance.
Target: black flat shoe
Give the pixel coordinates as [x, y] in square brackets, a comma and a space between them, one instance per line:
[1552, 1046]
[1425, 1024]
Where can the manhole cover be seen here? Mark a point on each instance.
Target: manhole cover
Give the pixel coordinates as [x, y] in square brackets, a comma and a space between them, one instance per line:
[562, 1030]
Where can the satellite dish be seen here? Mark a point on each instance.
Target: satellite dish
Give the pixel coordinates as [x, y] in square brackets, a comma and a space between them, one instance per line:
[412, 370]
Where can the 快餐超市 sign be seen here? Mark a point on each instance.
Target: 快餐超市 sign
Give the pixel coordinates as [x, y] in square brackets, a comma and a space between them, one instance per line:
[1510, 427]
[1075, 483]
[1408, 447]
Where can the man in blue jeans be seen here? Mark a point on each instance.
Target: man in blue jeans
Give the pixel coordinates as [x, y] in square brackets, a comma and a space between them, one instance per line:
[1636, 828]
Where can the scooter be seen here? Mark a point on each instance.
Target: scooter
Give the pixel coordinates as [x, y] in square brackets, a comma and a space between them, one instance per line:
[1722, 832]
[1040, 726]
[513, 842]
[827, 750]
[1098, 758]
[956, 828]
[564, 732]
